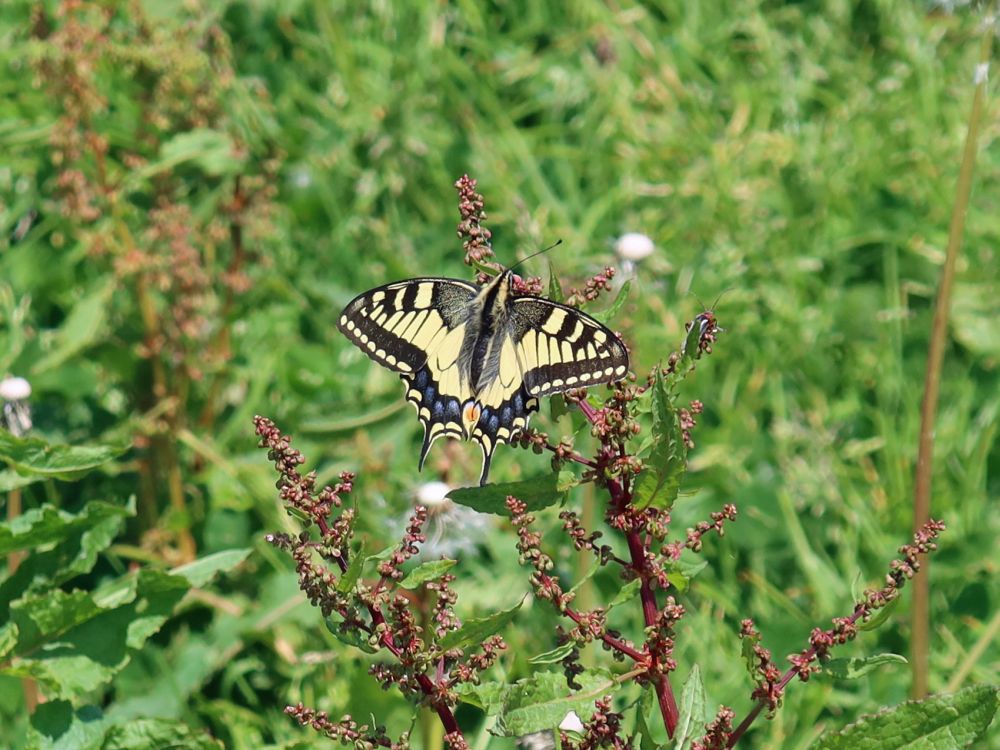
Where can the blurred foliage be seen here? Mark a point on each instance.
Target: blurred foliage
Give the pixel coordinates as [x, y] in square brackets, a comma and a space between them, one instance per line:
[190, 193]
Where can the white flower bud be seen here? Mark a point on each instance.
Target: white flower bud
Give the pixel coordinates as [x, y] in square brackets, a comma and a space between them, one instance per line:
[14, 389]
[634, 246]
[433, 494]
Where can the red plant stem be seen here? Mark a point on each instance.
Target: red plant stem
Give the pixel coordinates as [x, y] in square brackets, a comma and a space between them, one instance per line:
[620, 498]
[426, 684]
[785, 679]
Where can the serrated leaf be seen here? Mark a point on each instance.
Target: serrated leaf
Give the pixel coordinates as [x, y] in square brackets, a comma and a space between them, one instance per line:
[853, 668]
[39, 527]
[78, 641]
[475, 631]
[659, 482]
[354, 568]
[36, 457]
[604, 316]
[954, 720]
[542, 701]
[537, 493]
[691, 723]
[427, 571]
[202, 570]
[555, 655]
[626, 592]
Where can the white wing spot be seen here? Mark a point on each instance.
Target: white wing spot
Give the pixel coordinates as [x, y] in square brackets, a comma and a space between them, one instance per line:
[425, 295]
[371, 346]
[584, 376]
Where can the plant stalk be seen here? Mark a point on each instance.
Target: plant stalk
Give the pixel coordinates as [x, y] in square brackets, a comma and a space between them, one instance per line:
[920, 613]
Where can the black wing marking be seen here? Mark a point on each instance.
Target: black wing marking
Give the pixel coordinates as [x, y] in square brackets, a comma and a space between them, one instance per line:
[398, 325]
[559, 347]
[416, 328]
[500, 423]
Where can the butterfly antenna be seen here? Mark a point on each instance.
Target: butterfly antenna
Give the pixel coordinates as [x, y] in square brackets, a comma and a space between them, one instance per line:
[557, 243]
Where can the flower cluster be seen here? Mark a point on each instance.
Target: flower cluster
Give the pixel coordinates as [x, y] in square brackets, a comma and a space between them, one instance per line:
[592, 288]
[602, 730]
[475, 237]
[377, 613]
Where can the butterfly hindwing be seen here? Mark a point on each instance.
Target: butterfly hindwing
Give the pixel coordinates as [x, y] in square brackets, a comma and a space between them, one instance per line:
[416, 328]
[560, 348]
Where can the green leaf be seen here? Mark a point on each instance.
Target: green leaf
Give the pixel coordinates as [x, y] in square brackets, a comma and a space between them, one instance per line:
[681, 572]
[211, 150]
[354, 568]
[142, 733]
[11, 480]
[626, 592]
[350, 637]
[537, 493]
[475, 631]
[34, 456]
[39, 527]
[594, 567]
[427, 571]
[79, 330]
[658, 483]
[691, 724]
[201, 571]
[8, 638]
[880, 617]
[487, 696]
[76, 642]
[605, 316]
[953, 720]
[56, 725]
[555, 288]
[643, 707]
[543, 700]
[852, 669]
[555, 655]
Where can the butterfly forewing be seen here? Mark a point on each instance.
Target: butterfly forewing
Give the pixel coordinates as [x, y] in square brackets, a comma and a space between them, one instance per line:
[398, 325]
[560, 348]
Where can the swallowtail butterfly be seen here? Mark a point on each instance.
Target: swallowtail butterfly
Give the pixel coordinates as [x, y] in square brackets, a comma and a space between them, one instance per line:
[476, 360]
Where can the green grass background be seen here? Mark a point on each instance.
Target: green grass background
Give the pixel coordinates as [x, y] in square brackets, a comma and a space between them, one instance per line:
[794, 161]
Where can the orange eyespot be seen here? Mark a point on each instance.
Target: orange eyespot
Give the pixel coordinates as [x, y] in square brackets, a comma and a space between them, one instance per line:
[471, 412]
